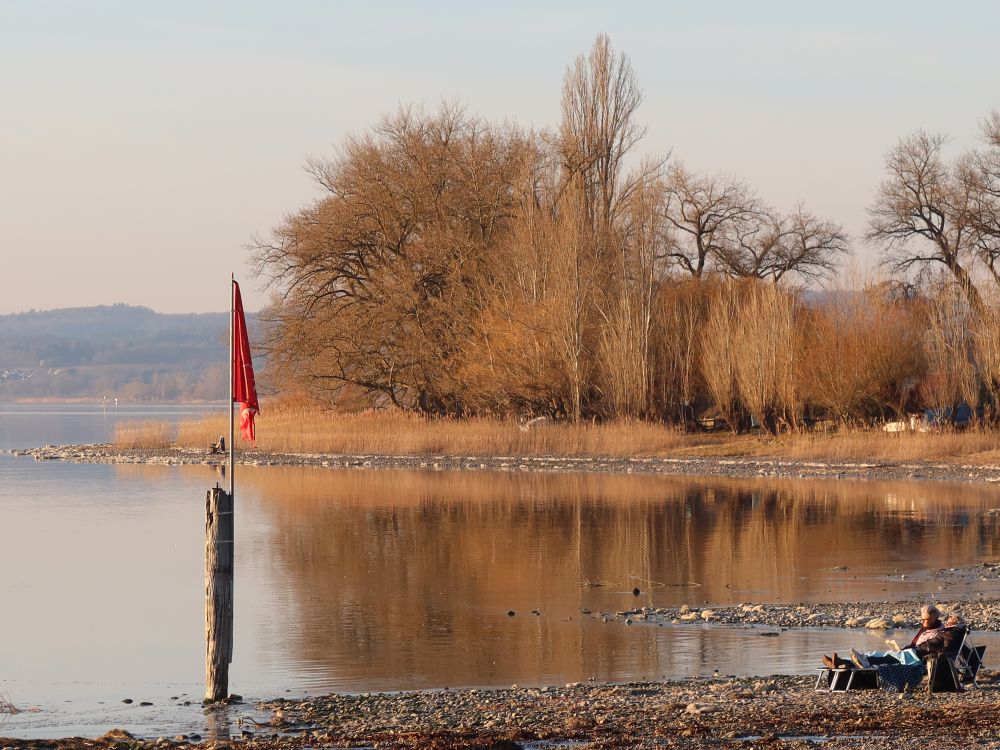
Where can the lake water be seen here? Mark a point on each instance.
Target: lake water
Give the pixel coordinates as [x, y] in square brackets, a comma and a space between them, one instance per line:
[353, 580]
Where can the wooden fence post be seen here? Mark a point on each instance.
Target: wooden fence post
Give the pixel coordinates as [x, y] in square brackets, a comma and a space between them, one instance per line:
[219, 545]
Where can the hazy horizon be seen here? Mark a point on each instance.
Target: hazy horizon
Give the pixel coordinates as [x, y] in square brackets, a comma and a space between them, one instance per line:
[144, 146]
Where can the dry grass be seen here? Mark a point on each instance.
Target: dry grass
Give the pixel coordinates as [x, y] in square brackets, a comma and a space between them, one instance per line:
[305, 430]
[144, 435]
[310, 430]
[975, 446]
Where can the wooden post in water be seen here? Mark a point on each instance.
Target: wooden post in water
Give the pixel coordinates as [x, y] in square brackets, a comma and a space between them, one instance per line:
[218, 593]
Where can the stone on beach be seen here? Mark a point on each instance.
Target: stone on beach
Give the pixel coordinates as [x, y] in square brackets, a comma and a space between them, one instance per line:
[819, 617]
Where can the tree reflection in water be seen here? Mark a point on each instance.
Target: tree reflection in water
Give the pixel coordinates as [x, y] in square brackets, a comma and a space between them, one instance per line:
[409, 576]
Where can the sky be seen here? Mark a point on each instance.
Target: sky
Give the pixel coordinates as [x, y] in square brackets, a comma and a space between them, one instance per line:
[143, 145]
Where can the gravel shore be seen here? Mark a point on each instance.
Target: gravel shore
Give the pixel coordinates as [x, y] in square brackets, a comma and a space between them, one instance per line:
[781, 712]
[721, 467]
[979, 613]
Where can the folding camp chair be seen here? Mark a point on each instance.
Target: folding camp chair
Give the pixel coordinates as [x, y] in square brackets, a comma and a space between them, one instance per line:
[968, 660]
[844, 679]
[942, 676]
[950, 671]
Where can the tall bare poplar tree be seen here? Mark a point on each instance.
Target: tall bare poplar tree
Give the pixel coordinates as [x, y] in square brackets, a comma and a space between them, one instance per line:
[599, 102]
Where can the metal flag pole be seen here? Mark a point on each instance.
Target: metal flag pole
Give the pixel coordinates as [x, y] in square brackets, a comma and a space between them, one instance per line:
[232, 371]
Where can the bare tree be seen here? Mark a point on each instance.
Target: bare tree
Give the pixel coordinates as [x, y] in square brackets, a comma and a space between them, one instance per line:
[861, 354]
[717, 346]
[763, 354]
[626, 340]
[978, 173]
[599, 101]
[681, 313]
[719, 224]
[573, 284]
[613, 260]
[921, 218]
[772, 247]
[708, 216]
[949, 345]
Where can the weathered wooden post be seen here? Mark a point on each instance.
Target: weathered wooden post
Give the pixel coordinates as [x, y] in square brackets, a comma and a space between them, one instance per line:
[219, 545]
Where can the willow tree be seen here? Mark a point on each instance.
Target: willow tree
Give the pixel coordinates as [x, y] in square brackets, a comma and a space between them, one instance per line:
[375, 280]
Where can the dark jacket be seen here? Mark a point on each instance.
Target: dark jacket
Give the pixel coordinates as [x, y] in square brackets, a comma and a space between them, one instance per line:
[936, 625]
[946, 641]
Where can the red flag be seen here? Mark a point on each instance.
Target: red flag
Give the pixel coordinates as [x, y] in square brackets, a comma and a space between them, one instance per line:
[244, 390]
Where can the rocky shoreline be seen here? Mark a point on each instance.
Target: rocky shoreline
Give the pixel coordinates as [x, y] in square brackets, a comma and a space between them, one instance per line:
[980, 613]
[700, 466]
[781, 712]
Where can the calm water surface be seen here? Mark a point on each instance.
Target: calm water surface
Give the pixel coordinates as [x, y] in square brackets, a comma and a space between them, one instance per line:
[388, 580]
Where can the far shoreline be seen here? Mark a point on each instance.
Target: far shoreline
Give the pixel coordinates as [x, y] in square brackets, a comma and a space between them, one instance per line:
[746, 467]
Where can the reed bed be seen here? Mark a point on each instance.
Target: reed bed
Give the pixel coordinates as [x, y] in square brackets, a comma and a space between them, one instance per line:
[151, 434]
[304, 430]
[976, 446]
[311, 430]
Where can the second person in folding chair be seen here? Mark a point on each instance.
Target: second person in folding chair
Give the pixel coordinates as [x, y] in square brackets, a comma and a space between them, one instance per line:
[928, 640]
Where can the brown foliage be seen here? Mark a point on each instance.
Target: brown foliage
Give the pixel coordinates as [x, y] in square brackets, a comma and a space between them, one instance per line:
[376, 280]
[679, 319]
[861, 354]
[458, 267]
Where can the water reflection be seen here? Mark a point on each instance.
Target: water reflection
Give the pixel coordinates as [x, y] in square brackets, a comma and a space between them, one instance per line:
[388, 580]
[405, 579]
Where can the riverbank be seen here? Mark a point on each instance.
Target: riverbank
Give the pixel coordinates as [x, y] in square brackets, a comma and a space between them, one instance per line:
[721, 713]
[287, 428]
[979, 613]
[957, 470]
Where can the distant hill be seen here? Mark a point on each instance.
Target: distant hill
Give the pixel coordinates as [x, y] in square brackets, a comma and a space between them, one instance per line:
[132, 353]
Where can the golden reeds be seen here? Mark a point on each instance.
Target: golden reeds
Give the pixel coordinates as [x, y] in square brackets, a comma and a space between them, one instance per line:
[152, 434]
[311, 430]
[304, 429]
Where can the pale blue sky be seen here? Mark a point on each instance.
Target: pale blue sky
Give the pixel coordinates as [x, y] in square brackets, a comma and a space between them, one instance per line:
[142, 143]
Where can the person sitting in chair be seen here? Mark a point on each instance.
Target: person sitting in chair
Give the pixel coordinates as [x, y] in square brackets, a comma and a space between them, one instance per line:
[924, 642]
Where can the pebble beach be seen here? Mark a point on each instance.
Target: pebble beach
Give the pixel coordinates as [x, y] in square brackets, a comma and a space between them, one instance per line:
[783, 712]
[718, 467]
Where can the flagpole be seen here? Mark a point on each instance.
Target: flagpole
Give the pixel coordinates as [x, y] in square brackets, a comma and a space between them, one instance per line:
[232, 374]
[220, 541]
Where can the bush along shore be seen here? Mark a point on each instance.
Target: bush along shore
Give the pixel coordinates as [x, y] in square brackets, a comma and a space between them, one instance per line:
[960, 471]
